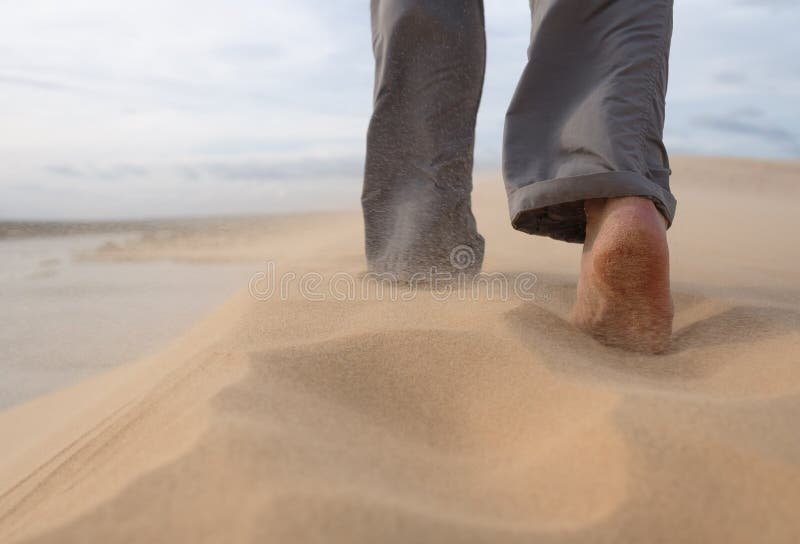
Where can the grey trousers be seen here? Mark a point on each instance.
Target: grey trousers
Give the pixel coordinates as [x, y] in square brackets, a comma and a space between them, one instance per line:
[585, 122]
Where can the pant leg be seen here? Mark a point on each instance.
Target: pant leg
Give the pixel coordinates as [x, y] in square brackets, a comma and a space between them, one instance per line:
[587, 117]
[430, 58]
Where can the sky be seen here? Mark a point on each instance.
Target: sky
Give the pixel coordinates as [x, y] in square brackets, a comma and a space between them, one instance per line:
[121, 109]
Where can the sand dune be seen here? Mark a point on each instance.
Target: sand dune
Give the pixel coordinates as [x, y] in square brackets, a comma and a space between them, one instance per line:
[473, 419]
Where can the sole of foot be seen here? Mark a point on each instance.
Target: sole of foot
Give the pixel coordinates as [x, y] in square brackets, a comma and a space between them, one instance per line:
[623, 297]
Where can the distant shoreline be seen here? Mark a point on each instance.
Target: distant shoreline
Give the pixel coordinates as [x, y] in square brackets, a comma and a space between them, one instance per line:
[18, 229]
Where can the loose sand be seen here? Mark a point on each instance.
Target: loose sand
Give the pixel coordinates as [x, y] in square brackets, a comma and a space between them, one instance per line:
[468, 420]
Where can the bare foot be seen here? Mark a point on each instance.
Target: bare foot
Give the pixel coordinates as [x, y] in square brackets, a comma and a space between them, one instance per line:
[623, 292]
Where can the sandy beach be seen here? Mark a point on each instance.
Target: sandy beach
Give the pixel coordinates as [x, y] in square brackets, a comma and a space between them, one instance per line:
[308, 416]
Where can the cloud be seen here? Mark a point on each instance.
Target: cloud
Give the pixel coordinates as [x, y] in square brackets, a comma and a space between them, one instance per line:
[308, 169]
[748, 111]
[35, 83]
[744, 125]
[731, 78]
[115, 172]
[253, 51]
[769, 4]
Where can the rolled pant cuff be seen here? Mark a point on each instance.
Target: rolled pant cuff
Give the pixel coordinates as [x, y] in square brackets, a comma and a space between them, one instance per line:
[554, 207]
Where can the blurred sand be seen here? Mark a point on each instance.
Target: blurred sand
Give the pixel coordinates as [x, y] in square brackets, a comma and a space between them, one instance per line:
[66, 318]
[481, 420]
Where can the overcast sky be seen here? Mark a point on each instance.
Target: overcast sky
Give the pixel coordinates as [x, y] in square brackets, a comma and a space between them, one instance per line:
[115, 108]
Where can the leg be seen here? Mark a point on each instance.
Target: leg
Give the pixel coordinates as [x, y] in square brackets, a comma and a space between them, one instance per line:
[430, 57]
[584, 158]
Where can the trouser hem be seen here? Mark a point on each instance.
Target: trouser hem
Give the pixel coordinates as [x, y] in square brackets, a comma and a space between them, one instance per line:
[554, 207]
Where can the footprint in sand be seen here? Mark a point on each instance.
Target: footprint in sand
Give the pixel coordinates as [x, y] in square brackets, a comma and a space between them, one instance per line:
[714, 346]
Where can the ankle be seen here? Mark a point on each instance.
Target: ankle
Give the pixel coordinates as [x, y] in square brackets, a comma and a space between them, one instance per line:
[630, 210]
[626, 247]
